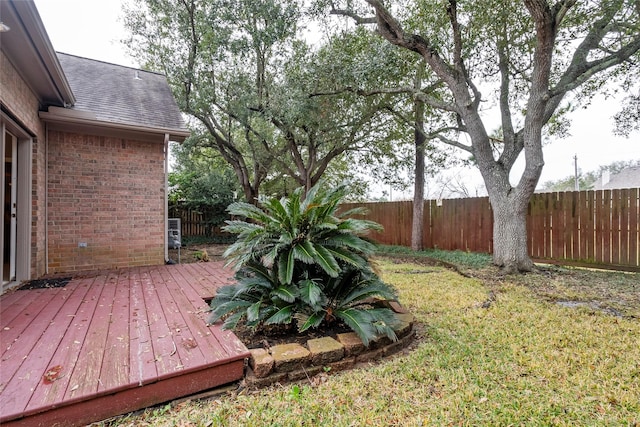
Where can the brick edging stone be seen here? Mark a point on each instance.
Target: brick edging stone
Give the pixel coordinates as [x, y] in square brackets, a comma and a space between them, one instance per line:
[293, 362]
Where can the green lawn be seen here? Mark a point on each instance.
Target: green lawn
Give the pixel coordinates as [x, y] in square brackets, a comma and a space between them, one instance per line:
[524, 360]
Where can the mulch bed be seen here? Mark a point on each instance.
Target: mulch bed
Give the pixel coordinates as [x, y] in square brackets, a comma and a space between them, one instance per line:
[272, 335]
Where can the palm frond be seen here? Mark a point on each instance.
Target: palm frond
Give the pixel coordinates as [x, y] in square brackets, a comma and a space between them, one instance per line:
[248, 210]
[313, 321]
[285, 266]
[384, 322]
[359, 321]
[326, 260]
[253, 311]
[286, 293]
[368, 288]
[304, 252]
[283, 315]
[311, 293]
[232, 321]
[349, 257]
[226, 308]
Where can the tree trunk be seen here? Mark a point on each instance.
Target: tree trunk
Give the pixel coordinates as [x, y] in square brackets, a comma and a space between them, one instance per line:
[510, 250]
[417, 224]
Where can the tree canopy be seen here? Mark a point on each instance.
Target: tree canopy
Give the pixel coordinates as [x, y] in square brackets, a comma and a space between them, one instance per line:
[276, 108]
[530, 55]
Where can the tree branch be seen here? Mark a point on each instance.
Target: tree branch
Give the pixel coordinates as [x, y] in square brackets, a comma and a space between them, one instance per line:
[421, 95]
[455, 143]
[350, 14]
[580, 69]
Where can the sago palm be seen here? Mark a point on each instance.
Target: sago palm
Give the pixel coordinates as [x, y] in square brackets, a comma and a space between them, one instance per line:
[298, 259]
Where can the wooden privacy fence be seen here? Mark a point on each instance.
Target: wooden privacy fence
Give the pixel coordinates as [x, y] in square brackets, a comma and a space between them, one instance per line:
[595, 227]
[196, 222]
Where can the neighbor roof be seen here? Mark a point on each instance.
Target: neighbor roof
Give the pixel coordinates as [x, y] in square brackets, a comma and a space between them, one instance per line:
[626, 178]
[119, 94]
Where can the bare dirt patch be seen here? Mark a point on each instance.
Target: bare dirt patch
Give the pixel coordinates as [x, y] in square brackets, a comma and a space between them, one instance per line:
[612, 292]
[201, 252]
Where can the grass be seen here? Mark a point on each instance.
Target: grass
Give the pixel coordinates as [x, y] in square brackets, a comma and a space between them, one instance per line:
[524, 360]
[459, 258]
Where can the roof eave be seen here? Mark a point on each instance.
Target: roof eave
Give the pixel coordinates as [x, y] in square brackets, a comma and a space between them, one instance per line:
[177, 135]
[31, 29]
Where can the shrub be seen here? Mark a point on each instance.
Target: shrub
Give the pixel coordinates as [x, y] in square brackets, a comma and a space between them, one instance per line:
[299, 261]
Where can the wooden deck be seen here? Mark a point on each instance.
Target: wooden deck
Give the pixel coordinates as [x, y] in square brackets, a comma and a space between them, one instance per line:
[112, 342]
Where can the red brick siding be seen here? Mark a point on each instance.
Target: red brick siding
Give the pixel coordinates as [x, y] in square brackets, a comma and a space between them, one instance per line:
[108, 193]
[18, 97]
[38, 211]
[23, 105]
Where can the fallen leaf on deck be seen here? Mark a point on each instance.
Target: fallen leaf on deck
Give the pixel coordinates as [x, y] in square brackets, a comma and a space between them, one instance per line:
[52, 374]
[189, 343]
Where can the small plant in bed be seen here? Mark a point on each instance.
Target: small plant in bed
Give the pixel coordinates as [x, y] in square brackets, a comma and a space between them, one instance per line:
[301, 264]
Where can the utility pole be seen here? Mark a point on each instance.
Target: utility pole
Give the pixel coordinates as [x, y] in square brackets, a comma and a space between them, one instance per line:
[575, 164]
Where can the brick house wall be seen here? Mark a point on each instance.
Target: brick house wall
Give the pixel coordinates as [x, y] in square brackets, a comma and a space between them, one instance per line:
[23, 105]
[38, 210]
[107, 193]
[19, 98]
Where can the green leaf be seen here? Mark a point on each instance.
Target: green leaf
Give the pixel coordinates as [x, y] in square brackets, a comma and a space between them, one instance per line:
[232, 321]
[326, 261]
[359, 226]
[353, 212]
[310, 200]
[312, 321]
[283, 315]
[258, 270]
[220, 310]
[304, 252]
[253, 312]
[349, 257]
[237, 227]
[278, 211]
[359, 321]
[248, 210]
[285, 267]
[384, 320]
[286, 293]
[366, 288]
[350, 242]
[310, 293]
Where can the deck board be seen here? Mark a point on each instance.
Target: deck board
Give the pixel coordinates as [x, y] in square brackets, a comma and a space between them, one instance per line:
[15, 320]
[86, 372]
[218, 275]
[13, 304]
[199, 333]
[114, 371]
[143, 367]
[125, 339]
[39, 348]
[165, 353]
[28, 327]
[66, 354]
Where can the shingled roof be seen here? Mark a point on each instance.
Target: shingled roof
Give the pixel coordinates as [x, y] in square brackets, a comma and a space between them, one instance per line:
[626, 178]
[117, 94]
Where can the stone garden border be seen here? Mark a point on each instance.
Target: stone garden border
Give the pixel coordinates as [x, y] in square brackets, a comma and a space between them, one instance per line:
[293, 362]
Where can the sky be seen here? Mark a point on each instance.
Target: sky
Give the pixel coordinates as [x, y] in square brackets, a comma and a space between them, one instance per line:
[94, 28]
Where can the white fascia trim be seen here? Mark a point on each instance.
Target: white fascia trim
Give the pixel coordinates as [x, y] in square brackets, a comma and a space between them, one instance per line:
[177, 135]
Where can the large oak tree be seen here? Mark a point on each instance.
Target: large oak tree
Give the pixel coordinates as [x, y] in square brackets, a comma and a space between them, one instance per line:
[530, 55]
[260, 95]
